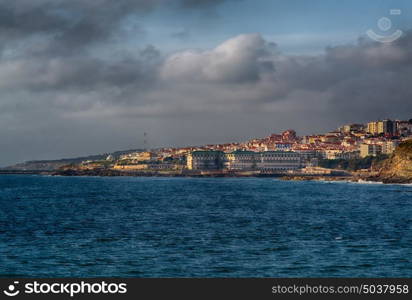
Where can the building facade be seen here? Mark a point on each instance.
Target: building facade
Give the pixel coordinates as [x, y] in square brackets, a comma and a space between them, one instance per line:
[389, 147]
[268, 161]
[241, 160]
[205, 160]
[274, 161]
[370, 150]
[404, 128]
[352, 128]
[138, 156]
[381, 127]
[340, 154]
[282, 146]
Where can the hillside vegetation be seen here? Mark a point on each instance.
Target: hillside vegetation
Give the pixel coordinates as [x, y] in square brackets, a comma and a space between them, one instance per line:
[354, 164]
[398, 168]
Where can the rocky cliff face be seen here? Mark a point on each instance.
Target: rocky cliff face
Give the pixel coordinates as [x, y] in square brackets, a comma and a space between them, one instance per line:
[398, 168]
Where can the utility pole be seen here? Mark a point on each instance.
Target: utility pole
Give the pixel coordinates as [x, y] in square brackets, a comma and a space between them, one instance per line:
[145, 141]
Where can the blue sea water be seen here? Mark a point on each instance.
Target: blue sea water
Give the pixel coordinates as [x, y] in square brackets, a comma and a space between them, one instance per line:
[202, 227]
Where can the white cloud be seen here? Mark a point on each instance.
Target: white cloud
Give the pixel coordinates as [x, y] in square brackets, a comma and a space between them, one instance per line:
[240, 59]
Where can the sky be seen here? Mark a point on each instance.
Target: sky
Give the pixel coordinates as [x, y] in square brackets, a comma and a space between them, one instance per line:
[85, 77]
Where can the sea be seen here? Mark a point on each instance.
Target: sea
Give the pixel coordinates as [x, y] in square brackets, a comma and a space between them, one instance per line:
[53, 226]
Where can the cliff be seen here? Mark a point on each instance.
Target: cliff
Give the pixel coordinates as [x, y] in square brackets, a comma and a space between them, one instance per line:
[398, 168]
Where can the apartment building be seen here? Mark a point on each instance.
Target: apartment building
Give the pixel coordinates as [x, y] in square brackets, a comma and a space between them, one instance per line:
[381, 127]
[205, 160]
[241, 160]
[271, 161]
[370, 150]
[268, 161]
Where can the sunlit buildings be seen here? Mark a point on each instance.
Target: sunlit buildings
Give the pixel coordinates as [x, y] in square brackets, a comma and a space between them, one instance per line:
[138, 156]
[370, 150]
[388, 147]
[351, 128]
[267, 161]
[241, 160]
[381, 127]
[205, 160]
[271, 161]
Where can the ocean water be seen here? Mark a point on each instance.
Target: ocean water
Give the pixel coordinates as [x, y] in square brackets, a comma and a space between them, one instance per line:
[202, 227]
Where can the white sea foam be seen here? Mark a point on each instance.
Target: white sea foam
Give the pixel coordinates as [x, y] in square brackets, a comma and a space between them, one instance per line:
[361, 181]
[364, 182]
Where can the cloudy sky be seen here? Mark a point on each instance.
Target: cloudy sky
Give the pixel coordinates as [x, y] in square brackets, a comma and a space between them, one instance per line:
[82, 77]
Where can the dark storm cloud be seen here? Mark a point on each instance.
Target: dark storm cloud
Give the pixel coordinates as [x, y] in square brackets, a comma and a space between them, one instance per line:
[55, 89]
[243, 72]
[246, 75]
[251, 59]
[76, 22]
[367, 80]
[81, 73]
[66, 26]
[201, 3]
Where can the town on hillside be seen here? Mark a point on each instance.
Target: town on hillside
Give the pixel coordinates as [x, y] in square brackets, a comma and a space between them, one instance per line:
[278, 153]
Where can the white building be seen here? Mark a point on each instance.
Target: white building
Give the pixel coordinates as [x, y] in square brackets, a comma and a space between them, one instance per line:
[389, 147]
[268, 161]
[205, 160]
[370, 150]
[279, 161]
[241, 160]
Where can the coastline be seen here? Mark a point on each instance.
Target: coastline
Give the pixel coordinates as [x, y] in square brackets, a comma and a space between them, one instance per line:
[355, 178]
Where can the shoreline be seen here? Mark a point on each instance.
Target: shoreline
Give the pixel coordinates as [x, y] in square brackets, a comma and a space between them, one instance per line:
[281, 176]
